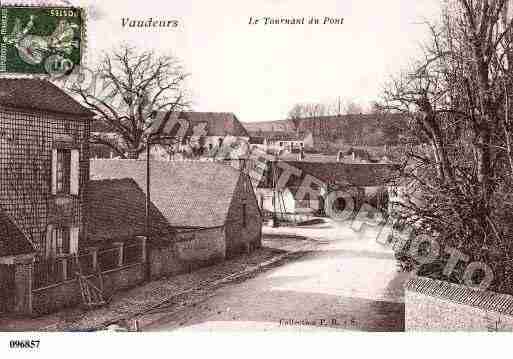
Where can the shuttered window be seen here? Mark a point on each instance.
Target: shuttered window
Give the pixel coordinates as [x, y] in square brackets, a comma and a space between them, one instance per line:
[61, 240]
[65, 171]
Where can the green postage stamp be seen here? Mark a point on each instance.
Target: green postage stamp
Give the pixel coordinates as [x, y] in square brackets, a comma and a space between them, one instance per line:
[40, 40]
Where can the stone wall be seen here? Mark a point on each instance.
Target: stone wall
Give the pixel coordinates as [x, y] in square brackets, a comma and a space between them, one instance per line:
[192, 249]
[67, 294]
[432, 305]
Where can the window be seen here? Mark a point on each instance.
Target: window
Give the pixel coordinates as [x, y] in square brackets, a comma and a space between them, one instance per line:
[63, 171]
[244, 224]
[61, 240]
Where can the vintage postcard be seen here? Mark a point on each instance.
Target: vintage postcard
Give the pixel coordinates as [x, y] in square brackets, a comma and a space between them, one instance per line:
[276, 166]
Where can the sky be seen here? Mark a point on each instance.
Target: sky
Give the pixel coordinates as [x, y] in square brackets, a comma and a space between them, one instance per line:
[259, 72]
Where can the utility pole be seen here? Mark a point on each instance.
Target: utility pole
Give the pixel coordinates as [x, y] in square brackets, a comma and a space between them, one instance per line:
[148, 203]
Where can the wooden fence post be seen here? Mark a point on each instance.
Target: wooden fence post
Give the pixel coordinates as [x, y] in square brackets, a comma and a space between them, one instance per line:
[93, 251]
[142, 240]
[121, 248]
[64, 263]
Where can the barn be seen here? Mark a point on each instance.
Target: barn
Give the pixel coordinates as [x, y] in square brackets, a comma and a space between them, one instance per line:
[197, 198]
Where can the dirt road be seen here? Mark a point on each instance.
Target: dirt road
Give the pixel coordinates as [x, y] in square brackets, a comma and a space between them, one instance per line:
[344, 281]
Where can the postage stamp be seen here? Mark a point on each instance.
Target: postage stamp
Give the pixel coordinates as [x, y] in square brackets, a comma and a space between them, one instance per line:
[40, 40]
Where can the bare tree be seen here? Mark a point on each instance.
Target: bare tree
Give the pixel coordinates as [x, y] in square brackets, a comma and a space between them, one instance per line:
[133, 87]
[353, 108]
[458, 100]
[310, 110]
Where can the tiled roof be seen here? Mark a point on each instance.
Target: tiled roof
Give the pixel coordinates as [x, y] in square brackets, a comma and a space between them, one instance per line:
[42, 95]
[279, 135]
[101, 127]
[217, 123]
[187, 193]
[337, 173]
[489, 301]
[256, 140]
[116, 211]
[12, 240]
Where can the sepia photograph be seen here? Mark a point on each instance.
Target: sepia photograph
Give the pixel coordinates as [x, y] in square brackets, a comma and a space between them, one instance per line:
[294, 169]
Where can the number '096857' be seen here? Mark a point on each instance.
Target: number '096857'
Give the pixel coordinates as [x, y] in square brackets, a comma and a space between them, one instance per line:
[24, 344]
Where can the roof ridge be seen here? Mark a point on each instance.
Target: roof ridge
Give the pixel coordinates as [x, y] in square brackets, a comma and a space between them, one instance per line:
[40, 95]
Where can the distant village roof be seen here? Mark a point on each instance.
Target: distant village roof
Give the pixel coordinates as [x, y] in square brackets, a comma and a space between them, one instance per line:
[116, 210]
[256, 140]
[189, 194]
[217, 124]
[12, 240]
[279, 135]
[337, 173]
[40, 95]
[374, 129]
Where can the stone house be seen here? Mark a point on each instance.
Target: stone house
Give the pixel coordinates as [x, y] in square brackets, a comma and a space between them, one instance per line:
[210, 205]
[201, 134]
[281, 141]
[44, 162]
[309, 183]
[355, 155]
[44, 169]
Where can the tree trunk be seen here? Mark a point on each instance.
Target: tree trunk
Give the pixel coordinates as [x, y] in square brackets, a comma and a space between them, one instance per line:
[484, 161]
[430, 124]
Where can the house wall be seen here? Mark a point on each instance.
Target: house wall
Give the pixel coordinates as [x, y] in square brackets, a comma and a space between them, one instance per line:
[239, 237]
[264, 198]
[26, 143]
[211, 145]
[190, 250]
[432, 305]
[285, 202]
[284, 144]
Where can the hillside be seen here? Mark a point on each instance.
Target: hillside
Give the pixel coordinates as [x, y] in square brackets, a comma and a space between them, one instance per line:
[356, 130]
